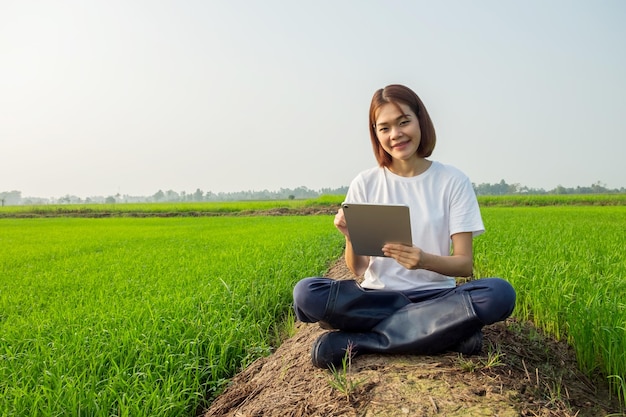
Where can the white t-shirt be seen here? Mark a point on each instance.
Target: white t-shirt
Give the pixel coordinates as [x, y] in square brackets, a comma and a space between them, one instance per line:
[442, 203]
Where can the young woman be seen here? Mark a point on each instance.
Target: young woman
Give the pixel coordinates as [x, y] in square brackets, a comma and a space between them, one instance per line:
[408, 301]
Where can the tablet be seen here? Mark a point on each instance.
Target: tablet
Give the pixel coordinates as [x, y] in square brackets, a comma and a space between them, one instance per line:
[372, 225]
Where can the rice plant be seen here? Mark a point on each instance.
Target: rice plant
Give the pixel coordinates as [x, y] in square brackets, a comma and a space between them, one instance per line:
[144, 317]
[568, 267]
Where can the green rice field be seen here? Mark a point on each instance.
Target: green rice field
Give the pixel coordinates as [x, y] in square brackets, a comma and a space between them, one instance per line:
[568, 267]
[167, 209]
[248, 207]
[143, 316]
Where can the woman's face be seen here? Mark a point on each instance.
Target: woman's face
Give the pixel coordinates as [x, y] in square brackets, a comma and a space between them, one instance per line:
[398, 131]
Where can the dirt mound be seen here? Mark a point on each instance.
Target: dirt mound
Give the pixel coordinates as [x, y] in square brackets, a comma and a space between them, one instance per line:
[520, 372]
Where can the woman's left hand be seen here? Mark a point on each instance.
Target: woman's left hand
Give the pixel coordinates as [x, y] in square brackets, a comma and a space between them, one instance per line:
[410, 257]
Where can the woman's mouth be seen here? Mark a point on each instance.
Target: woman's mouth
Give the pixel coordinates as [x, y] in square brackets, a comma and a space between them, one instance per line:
[400, 145]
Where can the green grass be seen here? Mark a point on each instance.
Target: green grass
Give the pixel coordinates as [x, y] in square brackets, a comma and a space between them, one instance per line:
[150, 316]
[144, 317]
[167, 209]
[253, 207]
[568, 266]
[533, 200]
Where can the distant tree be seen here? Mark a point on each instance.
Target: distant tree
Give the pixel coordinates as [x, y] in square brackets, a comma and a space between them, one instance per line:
[11, 198]
[158, 196]
[110, 200]
[500, 188]
[172, 195]
[599, 188]
[334, 191]
[292, 197]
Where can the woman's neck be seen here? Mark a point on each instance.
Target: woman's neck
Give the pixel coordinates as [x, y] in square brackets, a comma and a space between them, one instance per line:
[409, 168]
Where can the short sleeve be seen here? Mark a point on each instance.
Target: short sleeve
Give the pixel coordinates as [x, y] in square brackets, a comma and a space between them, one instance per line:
[464, 210]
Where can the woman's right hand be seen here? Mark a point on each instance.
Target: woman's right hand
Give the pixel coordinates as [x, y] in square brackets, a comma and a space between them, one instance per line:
[356, 263]
[340, 223]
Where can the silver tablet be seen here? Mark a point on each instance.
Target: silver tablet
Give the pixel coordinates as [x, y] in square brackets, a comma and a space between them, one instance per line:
[372, 225]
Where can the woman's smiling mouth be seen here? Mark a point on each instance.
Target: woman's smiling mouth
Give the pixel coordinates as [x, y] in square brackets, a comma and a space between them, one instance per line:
[400, 145]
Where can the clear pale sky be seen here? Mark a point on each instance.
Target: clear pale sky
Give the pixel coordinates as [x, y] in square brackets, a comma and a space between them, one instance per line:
[101, 97]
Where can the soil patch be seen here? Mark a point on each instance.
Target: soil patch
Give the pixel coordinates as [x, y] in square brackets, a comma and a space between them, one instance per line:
[520, 372]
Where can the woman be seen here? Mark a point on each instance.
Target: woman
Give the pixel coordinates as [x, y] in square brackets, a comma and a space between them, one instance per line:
[408, 301]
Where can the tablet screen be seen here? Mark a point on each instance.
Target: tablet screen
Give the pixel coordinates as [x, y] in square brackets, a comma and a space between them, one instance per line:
[372, 225]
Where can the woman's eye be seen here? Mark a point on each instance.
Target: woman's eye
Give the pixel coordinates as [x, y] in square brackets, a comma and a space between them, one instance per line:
[383, 129]
[404, 122]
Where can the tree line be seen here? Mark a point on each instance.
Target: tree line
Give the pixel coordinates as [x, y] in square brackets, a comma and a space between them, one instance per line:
[502, 188]
[12, 198]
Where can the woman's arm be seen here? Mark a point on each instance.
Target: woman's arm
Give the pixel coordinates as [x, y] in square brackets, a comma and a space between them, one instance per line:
[356, 263]
[459, 264]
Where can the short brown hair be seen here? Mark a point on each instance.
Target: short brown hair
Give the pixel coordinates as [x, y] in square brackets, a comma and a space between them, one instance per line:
[399, 94]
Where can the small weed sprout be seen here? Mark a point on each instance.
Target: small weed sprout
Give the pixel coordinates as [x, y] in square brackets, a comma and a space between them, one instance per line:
[620, 387]
[555, 395]
[340, 379]
[494, 358]
[466, 364]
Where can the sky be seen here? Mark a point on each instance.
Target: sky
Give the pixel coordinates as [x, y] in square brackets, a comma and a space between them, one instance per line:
[131, 97]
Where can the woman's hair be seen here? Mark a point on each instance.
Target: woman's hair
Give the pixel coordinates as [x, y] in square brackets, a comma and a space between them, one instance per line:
[398, 94]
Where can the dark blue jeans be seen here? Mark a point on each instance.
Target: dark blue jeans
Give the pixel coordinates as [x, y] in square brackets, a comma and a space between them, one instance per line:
[493, 298]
